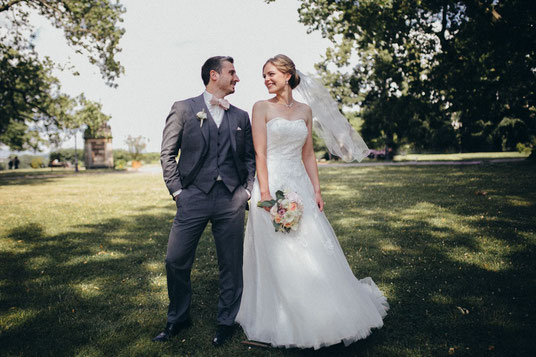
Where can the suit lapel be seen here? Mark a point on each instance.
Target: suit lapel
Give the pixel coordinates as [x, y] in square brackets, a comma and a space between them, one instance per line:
[199, 105]
[231, 121]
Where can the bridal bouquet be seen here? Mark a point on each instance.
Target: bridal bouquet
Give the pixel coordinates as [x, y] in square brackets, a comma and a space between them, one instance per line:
[286, 210]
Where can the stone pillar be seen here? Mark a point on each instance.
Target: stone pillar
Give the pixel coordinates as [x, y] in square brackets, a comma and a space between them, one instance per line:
[98, 151]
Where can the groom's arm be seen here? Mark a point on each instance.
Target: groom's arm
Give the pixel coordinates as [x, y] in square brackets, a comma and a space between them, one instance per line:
[249, 156]
[171, 143]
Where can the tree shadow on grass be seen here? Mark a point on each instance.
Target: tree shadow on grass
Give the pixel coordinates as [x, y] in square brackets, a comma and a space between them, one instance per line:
[41, 177]
[100, 289]
[100, 285]
[28, 181]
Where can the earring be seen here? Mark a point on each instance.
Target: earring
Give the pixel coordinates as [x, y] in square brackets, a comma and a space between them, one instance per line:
[286, 82]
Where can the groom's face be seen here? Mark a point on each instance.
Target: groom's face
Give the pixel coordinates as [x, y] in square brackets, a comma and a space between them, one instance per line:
[227, 78]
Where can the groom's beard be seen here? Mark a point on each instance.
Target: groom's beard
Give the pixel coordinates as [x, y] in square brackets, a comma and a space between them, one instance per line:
[232, 88]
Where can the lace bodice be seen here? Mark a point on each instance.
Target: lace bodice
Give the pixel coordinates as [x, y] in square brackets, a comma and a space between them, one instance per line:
[285, 139]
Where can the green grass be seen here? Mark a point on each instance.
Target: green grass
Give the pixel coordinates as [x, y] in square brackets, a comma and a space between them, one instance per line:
[452, 247]
[462, 156]
[48, 172]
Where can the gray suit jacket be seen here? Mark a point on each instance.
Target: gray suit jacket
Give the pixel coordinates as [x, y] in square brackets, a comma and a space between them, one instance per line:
[183, 132]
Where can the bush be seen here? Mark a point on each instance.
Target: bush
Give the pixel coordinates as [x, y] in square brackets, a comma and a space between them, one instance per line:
[120, 164]
[522, 148]
[37, 163]
[146, 158]
[26, 161]
[121, 154]
[151, 158]
[66, 155]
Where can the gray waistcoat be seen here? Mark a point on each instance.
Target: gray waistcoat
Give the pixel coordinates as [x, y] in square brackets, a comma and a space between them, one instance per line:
[219, 159]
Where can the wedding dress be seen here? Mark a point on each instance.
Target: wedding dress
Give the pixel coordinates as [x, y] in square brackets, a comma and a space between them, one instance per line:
[299, 290]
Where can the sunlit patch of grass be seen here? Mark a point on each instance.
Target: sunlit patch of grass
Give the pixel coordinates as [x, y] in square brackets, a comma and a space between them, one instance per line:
[15, 317]
[389, 247]
[87, 290]
[441, 299]
[462, 156]
[518, 201]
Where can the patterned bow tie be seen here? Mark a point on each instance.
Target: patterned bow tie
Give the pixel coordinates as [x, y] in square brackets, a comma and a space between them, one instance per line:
[221, 102]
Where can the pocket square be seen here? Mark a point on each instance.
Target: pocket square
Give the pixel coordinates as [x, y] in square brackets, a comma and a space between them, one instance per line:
[239, 128]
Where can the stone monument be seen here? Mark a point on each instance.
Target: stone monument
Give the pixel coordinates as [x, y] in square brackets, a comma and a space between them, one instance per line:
[98, 152]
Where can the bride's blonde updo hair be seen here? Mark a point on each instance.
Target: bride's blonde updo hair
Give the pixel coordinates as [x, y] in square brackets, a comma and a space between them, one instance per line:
[285, 65]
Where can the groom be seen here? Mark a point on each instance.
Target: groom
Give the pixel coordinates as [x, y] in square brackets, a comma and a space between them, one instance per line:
[212, 182]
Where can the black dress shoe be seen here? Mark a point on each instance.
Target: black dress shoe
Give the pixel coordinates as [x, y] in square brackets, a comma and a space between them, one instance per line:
[172, 330]
[223, 334]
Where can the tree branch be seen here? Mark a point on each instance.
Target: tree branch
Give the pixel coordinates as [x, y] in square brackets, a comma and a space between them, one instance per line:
[9, 4]
[45, 4]
[442, 37]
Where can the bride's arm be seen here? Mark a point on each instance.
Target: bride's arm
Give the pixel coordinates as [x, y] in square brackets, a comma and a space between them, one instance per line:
[309, 161]
[258, 127]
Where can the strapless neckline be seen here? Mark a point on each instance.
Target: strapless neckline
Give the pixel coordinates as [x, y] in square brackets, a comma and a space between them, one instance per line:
[285, 119]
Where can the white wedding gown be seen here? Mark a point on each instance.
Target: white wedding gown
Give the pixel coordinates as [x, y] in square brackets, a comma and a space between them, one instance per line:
[299, 290]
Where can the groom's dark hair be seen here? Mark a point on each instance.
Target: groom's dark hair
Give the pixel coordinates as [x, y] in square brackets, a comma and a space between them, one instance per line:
[213, 63]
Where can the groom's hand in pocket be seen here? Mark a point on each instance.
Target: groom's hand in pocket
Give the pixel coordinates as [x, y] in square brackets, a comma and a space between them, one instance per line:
[176, 194]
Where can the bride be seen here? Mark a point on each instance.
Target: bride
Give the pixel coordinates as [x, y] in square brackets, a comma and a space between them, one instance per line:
[299, 290]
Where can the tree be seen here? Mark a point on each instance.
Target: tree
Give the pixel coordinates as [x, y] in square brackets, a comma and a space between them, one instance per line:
[416, 68]
[30, 96]
[136, 145]
[88, 114]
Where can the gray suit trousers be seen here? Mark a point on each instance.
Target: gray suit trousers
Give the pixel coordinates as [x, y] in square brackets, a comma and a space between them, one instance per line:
[225, 210]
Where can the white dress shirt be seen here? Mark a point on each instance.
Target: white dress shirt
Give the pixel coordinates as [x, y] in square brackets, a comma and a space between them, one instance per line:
[215, 110]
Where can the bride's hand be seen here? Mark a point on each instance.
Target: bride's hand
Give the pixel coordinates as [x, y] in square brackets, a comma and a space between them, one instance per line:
[319, 201]
[266, 197]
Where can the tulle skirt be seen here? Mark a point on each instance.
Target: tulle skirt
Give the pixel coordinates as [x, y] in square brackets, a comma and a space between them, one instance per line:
[299, 290]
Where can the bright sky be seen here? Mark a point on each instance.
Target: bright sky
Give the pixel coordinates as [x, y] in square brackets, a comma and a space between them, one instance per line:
[164, 46]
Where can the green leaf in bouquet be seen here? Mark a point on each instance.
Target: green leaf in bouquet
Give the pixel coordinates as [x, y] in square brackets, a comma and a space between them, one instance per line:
[279, 195]
[276, 225]
[267, 203]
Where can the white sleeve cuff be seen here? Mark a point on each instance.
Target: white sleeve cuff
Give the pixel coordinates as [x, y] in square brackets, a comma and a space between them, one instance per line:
[176, 193]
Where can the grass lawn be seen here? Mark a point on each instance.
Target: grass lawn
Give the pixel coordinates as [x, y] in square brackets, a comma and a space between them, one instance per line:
[470, 156]
[452, 247]
[48, 172]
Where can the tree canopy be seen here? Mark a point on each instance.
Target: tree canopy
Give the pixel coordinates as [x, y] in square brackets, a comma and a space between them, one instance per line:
[31, 101]
[432, 74]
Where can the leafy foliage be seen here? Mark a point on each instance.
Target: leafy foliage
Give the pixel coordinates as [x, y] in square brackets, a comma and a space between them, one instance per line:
[121, 154]
[91, 115]
[30, 96]
[66, 155]
[37, 163]
[416, 67]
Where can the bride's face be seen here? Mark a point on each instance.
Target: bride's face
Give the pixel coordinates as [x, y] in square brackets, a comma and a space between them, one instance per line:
[274, 79]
